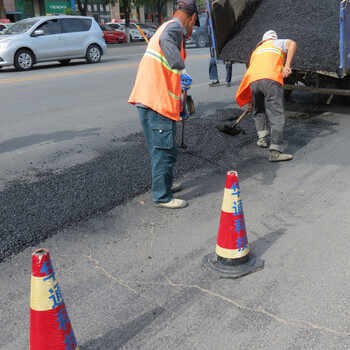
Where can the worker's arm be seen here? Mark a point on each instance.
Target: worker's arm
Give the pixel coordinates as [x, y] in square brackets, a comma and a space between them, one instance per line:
[291, 49]
[170, 42]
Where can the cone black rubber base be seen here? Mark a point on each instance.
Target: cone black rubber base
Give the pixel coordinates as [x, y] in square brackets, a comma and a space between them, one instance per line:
[233, 271]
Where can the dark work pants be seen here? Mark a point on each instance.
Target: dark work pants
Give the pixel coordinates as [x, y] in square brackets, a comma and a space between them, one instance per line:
[213, 71]
[268, 100]
[160, 133]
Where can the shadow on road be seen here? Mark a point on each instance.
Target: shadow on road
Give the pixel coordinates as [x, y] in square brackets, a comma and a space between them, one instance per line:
[118, 337]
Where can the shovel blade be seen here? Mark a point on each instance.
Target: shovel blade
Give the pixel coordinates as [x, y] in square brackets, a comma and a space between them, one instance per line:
[229, 130]
[190, 105]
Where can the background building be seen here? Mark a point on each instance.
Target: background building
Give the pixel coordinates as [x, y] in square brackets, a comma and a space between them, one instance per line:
[15, 10]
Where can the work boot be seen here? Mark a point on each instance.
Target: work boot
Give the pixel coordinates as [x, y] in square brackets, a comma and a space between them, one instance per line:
[173, 204]
[213, 82]
[176, 188]
[276, 156]
[262, 142]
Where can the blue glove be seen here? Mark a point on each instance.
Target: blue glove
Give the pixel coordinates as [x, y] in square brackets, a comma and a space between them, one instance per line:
[184, 114]
[186, 81]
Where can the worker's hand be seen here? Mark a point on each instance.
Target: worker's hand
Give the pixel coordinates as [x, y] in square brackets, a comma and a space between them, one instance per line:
[184, 115]
[250, 107]
[186, 81]
[286, 72]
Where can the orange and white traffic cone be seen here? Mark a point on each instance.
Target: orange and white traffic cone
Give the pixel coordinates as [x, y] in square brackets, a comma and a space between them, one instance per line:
[50, 327]
[232, 258]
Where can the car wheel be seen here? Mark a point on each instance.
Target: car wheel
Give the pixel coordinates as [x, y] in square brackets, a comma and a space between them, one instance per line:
[93, 54]
[200, 42]
[130, 38]
[24, 60]
[287, 93]
[64, 62]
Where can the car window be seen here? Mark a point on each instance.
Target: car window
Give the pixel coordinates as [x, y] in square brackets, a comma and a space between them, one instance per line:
[115, 26]
[22, 26]
[71, 25]
[50, 27]
[144, 26]
[105, 27]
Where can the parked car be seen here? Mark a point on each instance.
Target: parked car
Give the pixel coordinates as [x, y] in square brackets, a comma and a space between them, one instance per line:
[200, 36]
[51, 38]
[134, 32]
[4, 26]
[147, 29]
[112, 35]
[153, 25]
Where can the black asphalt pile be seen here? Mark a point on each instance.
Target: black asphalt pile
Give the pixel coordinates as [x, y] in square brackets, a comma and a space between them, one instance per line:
[35, 210]
[314, 25]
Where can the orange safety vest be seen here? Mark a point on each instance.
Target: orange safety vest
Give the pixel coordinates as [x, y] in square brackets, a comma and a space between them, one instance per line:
[266, 62]
[157, 85]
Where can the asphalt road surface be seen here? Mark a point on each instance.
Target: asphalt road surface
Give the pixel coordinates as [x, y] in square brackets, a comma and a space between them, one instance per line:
[132, 275]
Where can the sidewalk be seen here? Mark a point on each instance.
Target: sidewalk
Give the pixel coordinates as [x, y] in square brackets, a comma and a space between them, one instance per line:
[134, 278]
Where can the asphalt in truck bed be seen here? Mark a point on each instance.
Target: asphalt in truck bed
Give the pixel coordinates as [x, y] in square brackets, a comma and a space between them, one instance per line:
[313, 25]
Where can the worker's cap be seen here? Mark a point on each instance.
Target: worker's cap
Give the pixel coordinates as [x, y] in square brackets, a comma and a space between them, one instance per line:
[190, 7]
[271, 34]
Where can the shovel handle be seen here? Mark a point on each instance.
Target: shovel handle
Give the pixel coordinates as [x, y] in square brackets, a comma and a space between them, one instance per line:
[183, 120]
[240, 117]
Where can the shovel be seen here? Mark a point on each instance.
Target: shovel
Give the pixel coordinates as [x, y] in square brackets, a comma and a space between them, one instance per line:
[187, 104]
[231, 130]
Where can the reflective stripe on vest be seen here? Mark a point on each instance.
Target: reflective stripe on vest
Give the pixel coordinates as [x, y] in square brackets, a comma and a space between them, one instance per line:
[266, 62]
[157, 85]
[268, 50]
[161, 59]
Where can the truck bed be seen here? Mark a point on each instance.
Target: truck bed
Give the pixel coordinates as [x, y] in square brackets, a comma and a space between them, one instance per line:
[314, 25]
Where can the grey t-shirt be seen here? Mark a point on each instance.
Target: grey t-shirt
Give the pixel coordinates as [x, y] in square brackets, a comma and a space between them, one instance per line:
[281, 44]
[170, 42]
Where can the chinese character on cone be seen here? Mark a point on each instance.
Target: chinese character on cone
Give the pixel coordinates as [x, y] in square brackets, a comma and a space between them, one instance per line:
[50, 327]
[232, 258]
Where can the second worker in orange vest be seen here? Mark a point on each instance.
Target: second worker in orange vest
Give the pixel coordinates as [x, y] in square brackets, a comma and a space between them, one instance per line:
[262, 87]
[157, 94]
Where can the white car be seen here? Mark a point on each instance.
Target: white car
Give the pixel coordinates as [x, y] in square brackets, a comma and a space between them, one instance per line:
[51, 38]
[147, 30]
[134, 32]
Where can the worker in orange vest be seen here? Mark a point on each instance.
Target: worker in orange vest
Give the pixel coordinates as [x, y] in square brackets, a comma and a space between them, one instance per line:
[160, 79]
[262, 89]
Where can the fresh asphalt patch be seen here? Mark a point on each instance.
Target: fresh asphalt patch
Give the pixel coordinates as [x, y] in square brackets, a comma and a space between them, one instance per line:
[35, 209]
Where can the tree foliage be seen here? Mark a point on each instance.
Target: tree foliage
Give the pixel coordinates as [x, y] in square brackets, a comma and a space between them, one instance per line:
[157, 5]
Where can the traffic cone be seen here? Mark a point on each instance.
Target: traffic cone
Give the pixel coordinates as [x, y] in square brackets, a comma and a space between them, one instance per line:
[50, 327]
[232, 258]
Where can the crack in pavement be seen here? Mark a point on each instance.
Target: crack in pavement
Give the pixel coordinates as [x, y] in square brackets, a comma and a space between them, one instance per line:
[121, 282]
[291, 322]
